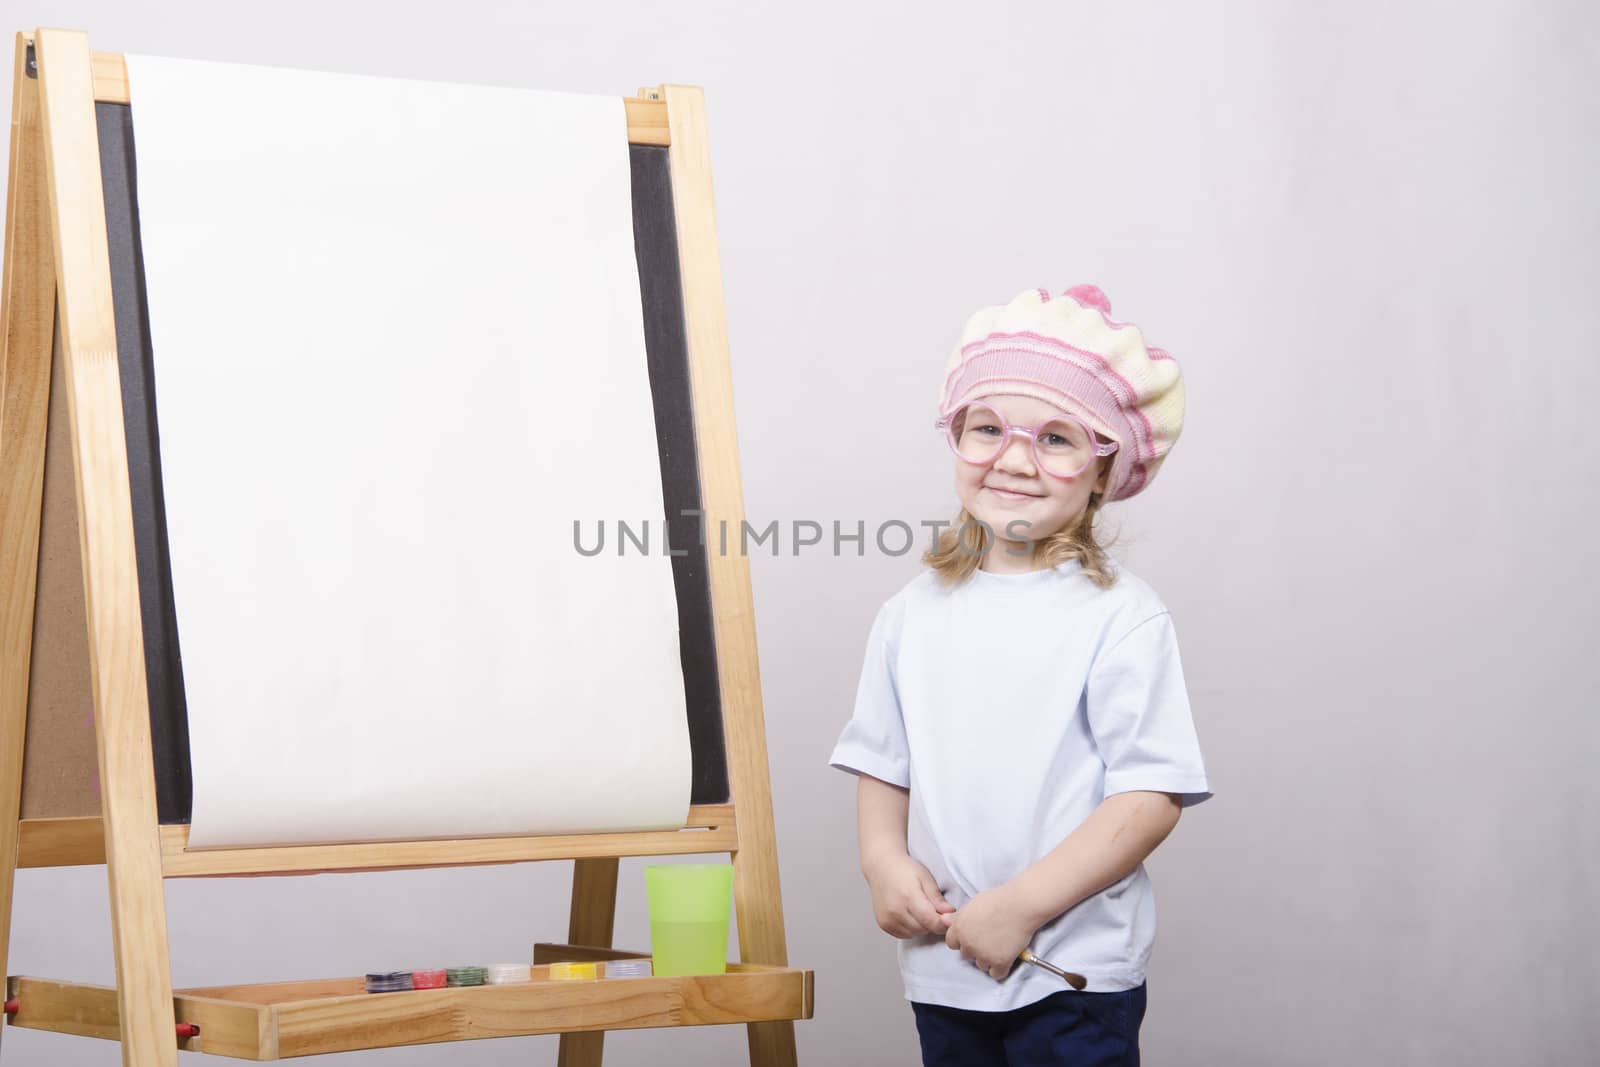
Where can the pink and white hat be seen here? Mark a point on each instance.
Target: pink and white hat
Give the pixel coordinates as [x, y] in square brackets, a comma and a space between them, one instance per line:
[1069, 352]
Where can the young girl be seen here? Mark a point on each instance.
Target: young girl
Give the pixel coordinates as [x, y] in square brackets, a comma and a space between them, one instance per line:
[1021, 735]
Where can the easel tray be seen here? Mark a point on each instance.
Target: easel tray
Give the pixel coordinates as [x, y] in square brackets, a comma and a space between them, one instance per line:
[281, 1020]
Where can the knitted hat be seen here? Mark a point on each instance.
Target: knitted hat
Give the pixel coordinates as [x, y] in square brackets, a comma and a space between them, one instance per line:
[1069, 352]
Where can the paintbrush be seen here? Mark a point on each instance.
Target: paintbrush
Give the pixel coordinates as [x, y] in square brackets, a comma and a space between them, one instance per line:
[1076, 981]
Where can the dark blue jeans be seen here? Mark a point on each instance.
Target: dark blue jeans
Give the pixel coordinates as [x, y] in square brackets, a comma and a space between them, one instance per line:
[1067, 1028]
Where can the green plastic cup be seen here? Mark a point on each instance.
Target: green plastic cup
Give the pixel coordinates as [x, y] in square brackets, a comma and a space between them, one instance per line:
[689, 905]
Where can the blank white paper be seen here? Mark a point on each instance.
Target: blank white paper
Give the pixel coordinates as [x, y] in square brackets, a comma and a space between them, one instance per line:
[397, 339]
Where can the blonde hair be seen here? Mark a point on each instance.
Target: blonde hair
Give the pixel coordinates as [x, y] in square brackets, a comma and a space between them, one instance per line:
[960, 549]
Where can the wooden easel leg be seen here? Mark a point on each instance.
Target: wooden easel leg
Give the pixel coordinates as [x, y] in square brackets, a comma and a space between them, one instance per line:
[594, 910]
[71, 150]
[761, 940]
[757, 901]
[27, 313]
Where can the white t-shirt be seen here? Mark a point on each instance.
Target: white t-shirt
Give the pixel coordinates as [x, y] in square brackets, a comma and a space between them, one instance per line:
[1010, 706]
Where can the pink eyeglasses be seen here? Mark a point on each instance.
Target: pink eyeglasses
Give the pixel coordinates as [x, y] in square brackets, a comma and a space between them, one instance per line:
[1063, 446]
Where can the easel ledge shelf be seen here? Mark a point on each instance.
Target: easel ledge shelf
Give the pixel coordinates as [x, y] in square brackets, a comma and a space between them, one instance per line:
[281, 1020]
[77, 842]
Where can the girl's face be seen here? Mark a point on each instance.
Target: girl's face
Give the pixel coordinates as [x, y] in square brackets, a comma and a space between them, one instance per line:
[1020, 502]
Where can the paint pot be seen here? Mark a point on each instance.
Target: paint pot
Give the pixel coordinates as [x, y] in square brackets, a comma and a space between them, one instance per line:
[388, 981]
[628, 968]
[427, 979]
[509, 973]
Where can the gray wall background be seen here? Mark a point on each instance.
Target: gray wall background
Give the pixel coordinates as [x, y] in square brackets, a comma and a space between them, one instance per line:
[1367, 232]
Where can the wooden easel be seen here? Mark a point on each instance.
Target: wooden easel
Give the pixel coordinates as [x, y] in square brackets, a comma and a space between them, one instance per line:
[58, 302]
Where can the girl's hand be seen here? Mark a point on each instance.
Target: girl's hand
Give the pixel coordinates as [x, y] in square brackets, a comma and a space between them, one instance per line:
[991, 930]
[905, 899]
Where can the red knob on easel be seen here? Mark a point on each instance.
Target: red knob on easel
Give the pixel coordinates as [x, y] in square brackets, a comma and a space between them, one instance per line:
[188, 1029]
[12, 1007]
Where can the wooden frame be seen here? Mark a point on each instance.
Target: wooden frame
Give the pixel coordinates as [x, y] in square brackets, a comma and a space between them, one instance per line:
[57, 287]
